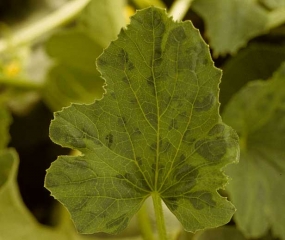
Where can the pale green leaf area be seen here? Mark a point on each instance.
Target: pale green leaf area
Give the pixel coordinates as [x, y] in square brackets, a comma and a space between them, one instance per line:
[74, 78]
[257, 113]
[222, 233]
[17, 223]
[257, 61]
[157, 131]
[273, 4]
[148, 3]
[75, 48]
[231, 24]
[103, 19]
[5, 121]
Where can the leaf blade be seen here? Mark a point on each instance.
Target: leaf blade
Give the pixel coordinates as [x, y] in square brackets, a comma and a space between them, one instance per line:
[259, 120]
[226, 34]
[162, 90]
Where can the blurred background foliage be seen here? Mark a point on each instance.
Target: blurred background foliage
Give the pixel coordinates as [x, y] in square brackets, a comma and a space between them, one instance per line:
[47, 61]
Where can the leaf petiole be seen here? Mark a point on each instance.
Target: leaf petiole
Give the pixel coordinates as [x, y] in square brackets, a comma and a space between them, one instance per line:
[46, 24]
[144, 223]
[160, 223]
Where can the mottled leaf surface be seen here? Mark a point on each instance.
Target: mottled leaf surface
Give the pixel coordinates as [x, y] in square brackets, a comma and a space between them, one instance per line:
[257, 112]
[157, 129]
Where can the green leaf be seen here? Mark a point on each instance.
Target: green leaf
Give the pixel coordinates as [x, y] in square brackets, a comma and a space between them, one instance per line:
[5, 121]
[231, 24]
[273, 4]
[223, 233]
[148, 3]
[103, 19]
[16, 222]
[157, 130]
[75, 48]
[74, 78]
[257, 61]
[257, 112]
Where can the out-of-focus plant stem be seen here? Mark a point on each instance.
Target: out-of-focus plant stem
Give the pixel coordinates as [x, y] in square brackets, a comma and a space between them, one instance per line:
[32, 32]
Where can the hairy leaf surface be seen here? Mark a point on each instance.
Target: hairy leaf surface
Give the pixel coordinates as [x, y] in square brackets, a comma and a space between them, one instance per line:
[257, 112]
[157, 129]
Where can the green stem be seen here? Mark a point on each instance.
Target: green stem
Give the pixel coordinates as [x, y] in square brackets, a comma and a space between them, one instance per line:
[160, 224]
[52, 21]
[144, 223]
[20, 83]
[179, 9]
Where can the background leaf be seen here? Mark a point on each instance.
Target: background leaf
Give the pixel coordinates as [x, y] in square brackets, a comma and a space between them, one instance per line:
[156, 130]
[231, 24]
[17, 222]
[75, 48]
[148, 3]
[257, 61]
[223, 233]
[74, 78]
[5, 120]
[257, 112]
[103, 20]
[273, 4]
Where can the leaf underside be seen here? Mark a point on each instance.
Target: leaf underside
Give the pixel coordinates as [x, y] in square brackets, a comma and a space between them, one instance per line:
[157, 129]
[257, 112]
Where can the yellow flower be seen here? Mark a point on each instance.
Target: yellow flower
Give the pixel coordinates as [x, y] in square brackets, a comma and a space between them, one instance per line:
[12, 69]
